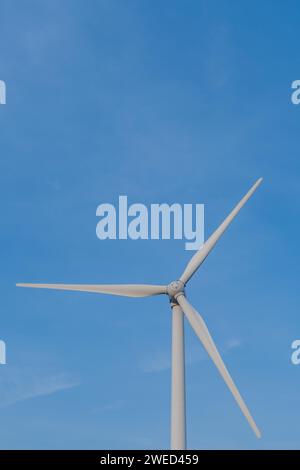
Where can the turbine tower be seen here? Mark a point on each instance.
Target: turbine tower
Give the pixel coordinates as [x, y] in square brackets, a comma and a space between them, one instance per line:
[180, 308]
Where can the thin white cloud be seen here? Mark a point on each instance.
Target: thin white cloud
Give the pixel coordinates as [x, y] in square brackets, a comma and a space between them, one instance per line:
[115, 405]
[18, 385]
[161, 360]
[233, 344]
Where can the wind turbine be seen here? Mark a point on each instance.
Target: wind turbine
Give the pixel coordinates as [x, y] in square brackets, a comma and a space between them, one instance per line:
[180, 306]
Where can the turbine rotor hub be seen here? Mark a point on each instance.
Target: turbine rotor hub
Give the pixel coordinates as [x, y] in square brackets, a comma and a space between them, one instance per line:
[175, 288]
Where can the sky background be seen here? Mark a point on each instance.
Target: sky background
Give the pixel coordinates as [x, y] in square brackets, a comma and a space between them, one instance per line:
[174, 101]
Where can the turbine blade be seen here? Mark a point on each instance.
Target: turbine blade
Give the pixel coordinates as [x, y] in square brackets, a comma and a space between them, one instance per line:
[126, 290]
[203, 334]
[200, 256]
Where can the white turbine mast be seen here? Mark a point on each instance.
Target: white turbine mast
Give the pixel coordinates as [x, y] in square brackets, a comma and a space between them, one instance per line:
[180, 307]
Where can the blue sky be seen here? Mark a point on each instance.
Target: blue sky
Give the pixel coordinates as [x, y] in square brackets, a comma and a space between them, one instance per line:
[168, 101]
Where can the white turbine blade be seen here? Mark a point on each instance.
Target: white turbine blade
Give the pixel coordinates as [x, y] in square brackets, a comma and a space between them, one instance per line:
[200, 256]
[126, 290]
[203, 334]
